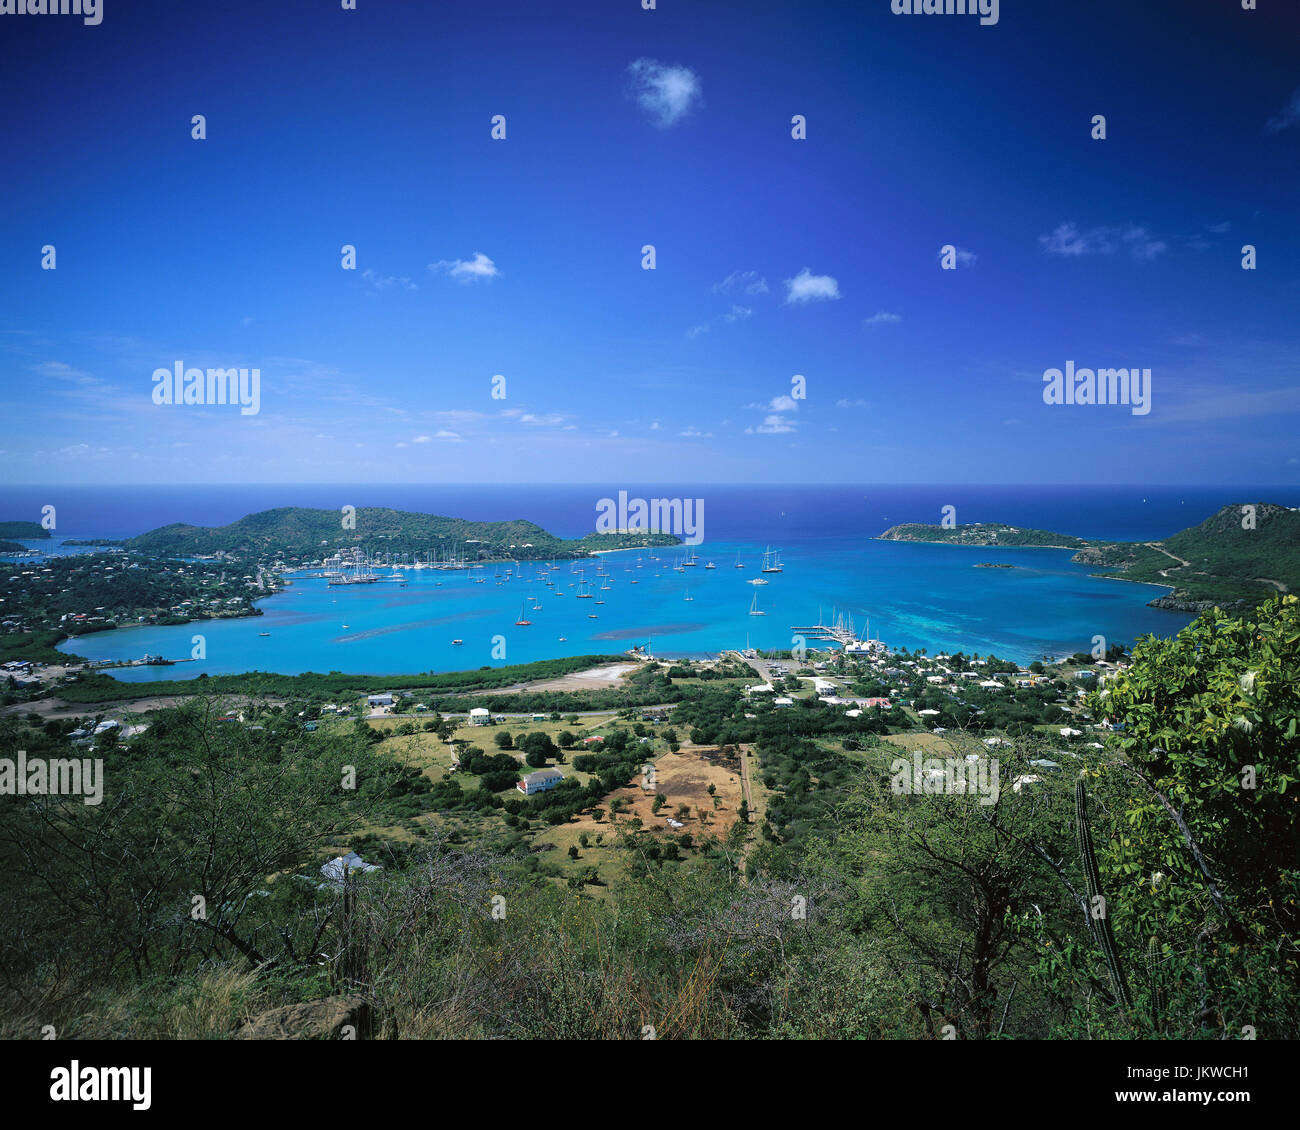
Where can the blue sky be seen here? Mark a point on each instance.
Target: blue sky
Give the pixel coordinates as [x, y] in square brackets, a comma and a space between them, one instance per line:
[671, 127]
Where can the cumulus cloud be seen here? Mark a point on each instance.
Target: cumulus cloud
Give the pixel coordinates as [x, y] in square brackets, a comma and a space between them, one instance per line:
[807, 287]
[466, 270]
[666, 93]
[1069, 241]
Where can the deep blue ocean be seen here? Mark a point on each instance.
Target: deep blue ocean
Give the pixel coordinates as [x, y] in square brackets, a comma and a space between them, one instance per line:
[911, 595]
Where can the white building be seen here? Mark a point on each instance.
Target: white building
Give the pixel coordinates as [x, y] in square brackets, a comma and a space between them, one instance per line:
[540, 781]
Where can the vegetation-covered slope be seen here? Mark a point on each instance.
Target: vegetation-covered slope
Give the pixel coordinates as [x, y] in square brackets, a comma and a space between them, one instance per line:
[297, 533]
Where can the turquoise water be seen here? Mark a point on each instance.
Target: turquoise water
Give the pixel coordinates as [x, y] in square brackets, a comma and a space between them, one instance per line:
[913, 595]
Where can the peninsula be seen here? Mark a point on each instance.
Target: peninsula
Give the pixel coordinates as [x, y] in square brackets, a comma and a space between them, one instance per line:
[1235, 559]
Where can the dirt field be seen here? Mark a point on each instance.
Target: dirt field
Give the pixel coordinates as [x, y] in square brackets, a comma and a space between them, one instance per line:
[57, 708]
[684, 778]
[593, 679]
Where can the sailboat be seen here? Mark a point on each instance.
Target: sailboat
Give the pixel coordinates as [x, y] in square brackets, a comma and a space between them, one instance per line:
[710, 565]
[772, 561]
[522, 622]
[754, 610]
[739, 564]
[583, 595]
[688, 596]
[689, 561]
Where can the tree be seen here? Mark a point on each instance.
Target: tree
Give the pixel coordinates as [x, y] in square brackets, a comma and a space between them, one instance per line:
[565, 739]
[1204, 860]
[503, 739]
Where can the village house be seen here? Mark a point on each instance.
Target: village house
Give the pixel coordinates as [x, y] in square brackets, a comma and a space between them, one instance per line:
[539, 781]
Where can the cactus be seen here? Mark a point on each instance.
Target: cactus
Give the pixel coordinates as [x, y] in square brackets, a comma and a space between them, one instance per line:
[1100, 927]
[1158, 996]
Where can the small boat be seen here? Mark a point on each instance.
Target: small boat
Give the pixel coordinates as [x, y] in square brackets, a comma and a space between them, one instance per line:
[564, 639]
[688, 597]
[457, 643]
[710, 565]
[263, 633]
[591, 616]
[758, 581]
[344, 625]
[754, 610]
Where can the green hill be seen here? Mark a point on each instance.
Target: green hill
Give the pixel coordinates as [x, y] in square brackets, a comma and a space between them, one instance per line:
[27, 530]
[1227, 563]
[296, 533]
[1236, 558]
[982, 533]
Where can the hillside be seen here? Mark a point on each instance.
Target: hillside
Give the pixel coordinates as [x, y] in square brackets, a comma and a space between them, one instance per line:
[27, 530]
[295, 533]
[1219, 562]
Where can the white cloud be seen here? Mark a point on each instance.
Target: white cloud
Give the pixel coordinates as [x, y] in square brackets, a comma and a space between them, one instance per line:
[850, 403]
[1289, 116]
[784, 404]
[693, 432]
[467, 270]
[666, 93]
[746, 282]
[735, 314]
[883, 318]
[385, 282]
[546, 420]
[964, 258]
[772, 425]
[807, 287]
[1069, 241]
[421, 439]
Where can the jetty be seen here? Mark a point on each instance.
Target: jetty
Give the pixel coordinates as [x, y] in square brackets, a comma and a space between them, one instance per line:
[840, 632]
